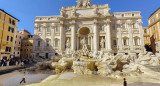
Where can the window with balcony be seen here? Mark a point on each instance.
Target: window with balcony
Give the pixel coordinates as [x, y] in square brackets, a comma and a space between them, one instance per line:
[123, 26]
[8, 49]
[10, 29]
[135, 41]
[40, 29]
[57, 28]
[48, 29]
[56, 43]
[125, 41]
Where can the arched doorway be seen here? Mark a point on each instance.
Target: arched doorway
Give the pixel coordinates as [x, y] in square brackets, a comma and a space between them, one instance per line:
[84, 36]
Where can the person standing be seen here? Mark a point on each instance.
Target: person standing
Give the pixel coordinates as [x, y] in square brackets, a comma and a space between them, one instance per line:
[24, 78]
[125, 82]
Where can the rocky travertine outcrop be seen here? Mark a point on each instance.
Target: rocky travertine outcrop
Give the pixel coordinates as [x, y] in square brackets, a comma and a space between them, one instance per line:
[87, 62]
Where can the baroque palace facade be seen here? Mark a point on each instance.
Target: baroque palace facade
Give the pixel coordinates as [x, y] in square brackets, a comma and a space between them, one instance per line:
[111, 33]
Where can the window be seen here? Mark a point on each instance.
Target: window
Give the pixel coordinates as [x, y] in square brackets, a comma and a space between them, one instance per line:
[114, 42]
[19, 42]
[47, 43]
[135, 41]
[155, 36]
[133, 15]
[11, 21]
[40, 29]
[39, 43]
[48, 29]
[146, 38]
[122, 15]
[153, 19]
[20, 37]
[56, 43]
[8, 49]
[16, 36]
[7, 38]
[10, 29]
[11, 39]
[17, 52]
[14, 47]
[123, 26]
[15, 42]
[57, 29]
[154, 28]
[125, 41]
[145, 31]
[133, 25]
[19, 48]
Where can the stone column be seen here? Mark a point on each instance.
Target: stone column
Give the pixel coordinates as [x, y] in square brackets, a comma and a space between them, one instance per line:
[91, 43]
[109, 48]
[62, 38]
[43, 36]
[120, 40]
[130, 33]
[52, 34]
[73, 37]
[77, 43]
[96, 37]
[141, 37]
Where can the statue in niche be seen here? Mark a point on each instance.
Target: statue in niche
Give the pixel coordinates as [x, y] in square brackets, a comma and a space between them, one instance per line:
[102, 43]
[83, 41]
[84, 46]
[68, 43]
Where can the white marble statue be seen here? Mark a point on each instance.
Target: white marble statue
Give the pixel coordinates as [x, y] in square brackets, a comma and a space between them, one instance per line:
[68, 43]
[84, 3]
[102, 43]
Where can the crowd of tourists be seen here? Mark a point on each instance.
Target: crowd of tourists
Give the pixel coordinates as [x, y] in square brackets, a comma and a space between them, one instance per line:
[12, 62]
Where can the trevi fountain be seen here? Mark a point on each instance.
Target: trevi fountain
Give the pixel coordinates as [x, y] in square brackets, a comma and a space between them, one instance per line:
[85, 64]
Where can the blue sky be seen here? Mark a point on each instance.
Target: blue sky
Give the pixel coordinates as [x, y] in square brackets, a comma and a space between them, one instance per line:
[27, 10]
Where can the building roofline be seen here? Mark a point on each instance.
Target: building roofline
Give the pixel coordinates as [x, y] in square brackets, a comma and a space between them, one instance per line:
[129, 12]
[9, 14]
[153, 13]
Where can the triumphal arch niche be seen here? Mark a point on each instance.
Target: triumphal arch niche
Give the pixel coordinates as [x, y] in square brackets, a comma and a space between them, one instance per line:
[92, 25]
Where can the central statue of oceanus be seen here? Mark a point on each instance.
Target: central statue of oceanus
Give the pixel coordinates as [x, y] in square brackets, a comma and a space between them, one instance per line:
[84, 3]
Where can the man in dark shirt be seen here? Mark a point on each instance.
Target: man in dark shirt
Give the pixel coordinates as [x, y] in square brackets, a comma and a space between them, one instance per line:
[125, 82]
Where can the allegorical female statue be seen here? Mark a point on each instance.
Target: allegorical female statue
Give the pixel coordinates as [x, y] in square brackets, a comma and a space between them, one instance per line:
[102, 43]
[68, 43]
